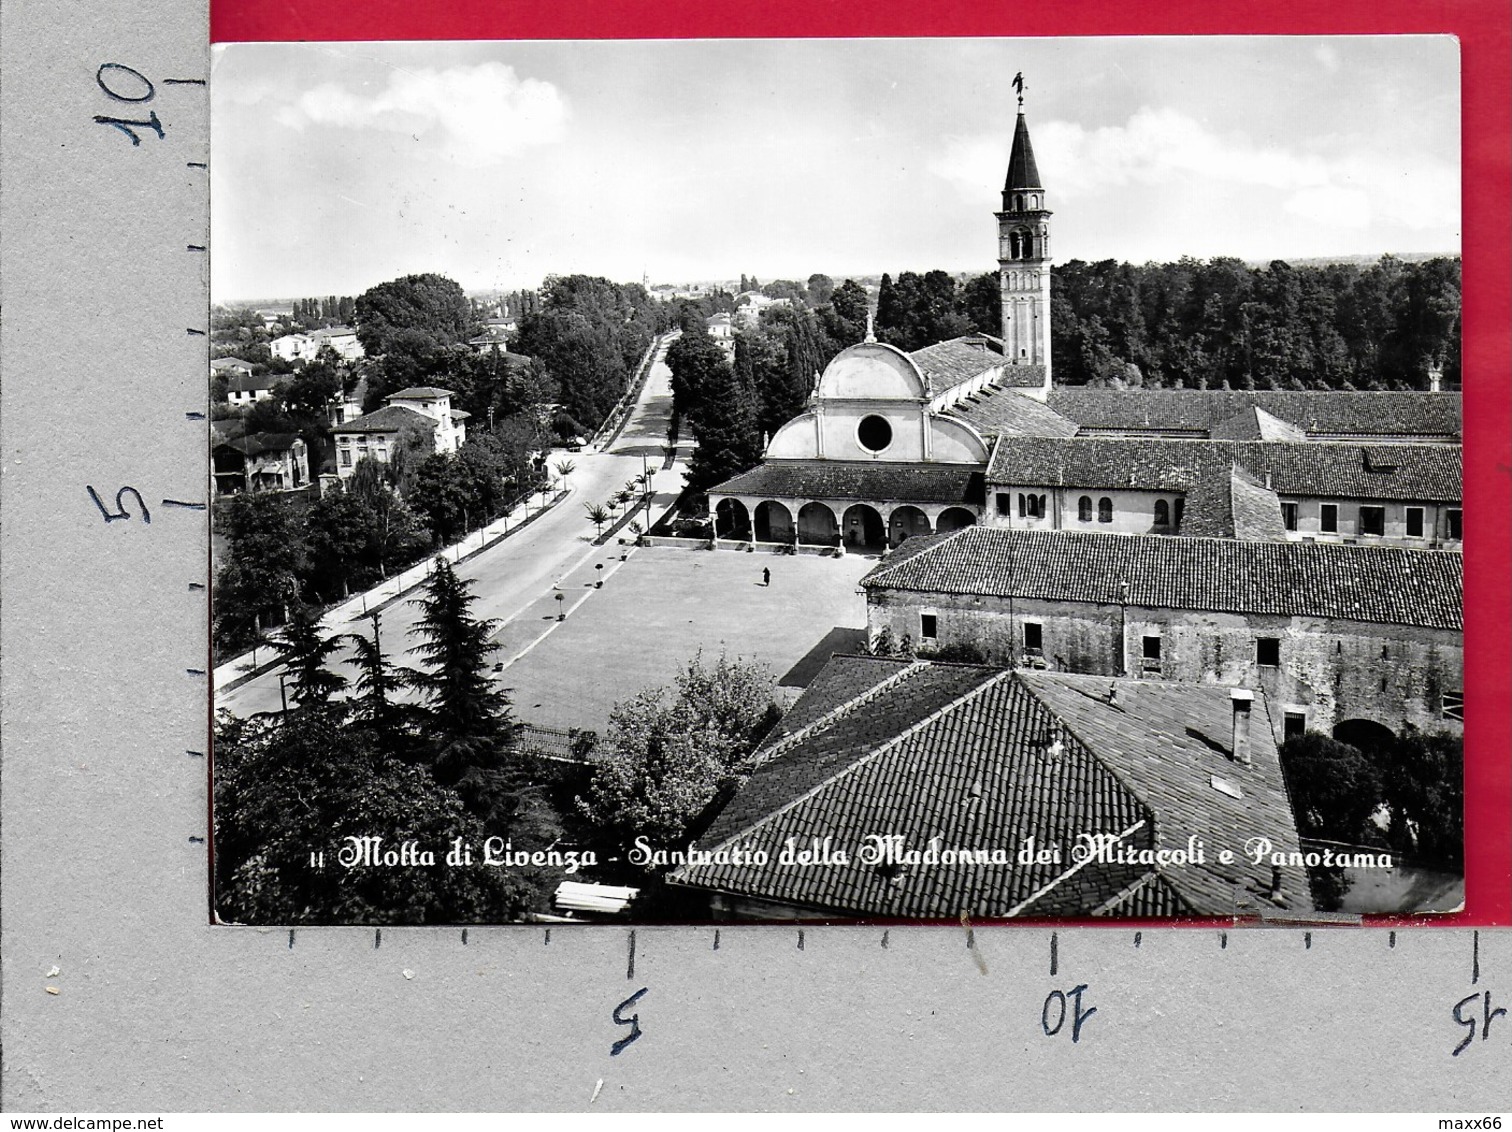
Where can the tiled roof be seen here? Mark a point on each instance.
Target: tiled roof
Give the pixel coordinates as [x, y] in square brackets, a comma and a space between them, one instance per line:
[1254, 423]
[1389, 585]
[419, 393]
[1022, 377]
[259, 443]
[390, 418]
[997, 411]
[247, 384]
[837, 479]
[1254, 510]
[1323, 469]
[230, 363]
[1324, 413]
[968, 755]
[948, 364]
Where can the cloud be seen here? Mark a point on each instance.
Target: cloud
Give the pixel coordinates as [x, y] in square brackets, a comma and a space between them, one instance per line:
[477, 115]
[1163, 147]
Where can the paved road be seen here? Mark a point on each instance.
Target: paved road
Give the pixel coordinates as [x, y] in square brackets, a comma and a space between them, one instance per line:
[518, 571]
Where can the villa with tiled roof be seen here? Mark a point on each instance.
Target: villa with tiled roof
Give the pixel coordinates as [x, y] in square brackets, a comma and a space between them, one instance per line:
[924, 790]
[421, 415]
[1328, 632]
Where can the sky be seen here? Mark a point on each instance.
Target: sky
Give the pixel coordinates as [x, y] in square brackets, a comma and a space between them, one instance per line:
[335, 167]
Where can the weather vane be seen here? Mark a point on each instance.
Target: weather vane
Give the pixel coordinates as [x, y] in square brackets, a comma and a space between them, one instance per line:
[1020, 86]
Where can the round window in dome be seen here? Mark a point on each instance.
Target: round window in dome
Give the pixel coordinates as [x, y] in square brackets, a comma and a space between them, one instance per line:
[874, 433]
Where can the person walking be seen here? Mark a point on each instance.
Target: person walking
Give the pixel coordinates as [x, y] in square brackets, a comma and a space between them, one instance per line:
[766, 575]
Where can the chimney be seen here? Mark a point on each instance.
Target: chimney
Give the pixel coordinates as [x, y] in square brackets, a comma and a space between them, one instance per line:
[1239, 748]
[1435, 379]
[1275, 889]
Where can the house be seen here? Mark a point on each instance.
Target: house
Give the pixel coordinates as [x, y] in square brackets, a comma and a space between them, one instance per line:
[244, 389]
[305, 347]
[1396, 494]
[260, 461]
[1336, 637]
[421, 415]
[230, 367]
[898, 789]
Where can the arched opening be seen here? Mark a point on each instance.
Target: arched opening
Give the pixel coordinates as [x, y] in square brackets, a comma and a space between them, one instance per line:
[1162, 513]
[774, 522]
[904, 523]
[731, 519]
[954, 519]
[1373, 740]
[1084, 509]
[817, 527]
[863, 528]
[1105, 510]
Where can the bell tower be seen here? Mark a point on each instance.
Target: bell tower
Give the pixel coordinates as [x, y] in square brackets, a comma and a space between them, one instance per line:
[1024, 256]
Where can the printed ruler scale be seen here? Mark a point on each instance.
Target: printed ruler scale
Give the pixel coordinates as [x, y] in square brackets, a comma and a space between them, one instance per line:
[118, 995]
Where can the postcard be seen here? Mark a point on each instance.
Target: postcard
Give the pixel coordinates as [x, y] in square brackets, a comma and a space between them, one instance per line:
[841, 481]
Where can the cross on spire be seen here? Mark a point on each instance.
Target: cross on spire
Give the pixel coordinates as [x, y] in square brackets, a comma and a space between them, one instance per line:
[1019, 85]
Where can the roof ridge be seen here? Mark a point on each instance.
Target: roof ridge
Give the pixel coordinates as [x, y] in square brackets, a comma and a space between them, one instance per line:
[871, 756]
[839, 712]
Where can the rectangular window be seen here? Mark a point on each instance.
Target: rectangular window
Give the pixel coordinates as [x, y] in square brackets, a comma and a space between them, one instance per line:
[1034, 638]
[1150, 656]
[1454, 706]
[346, 458]
[1004, 503]
[1328, 520]
[1289, 516]
[1454, 522]
[1414, 522]
[1268, 651]
[1294, 725]
[928, 625]
[1372, 520]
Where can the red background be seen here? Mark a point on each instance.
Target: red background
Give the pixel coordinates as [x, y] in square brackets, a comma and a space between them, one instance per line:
[1486, 57]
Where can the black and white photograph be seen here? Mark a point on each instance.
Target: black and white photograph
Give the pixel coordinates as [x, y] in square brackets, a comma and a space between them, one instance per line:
[914, 480]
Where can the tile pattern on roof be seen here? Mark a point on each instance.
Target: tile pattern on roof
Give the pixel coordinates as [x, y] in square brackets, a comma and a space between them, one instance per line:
[390, 418]
[1329, 413]
[835, 479]
[1254, 510]
[999, 411]
[976, 776]
[1322, 469]
[1167, 741]
[957, 360]
[1388, 585]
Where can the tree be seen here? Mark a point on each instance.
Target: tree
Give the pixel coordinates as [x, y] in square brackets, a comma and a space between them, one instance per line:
[283, 793]
[307, 656]
[1334, 788]
[468, 717]
[338, 530]
[671, 752]
[394, 534]
[416, 315]
[1423, 784]
[265, 556]
[598, 515]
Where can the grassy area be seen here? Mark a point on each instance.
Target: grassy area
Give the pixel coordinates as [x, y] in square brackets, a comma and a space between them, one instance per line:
[661, 606]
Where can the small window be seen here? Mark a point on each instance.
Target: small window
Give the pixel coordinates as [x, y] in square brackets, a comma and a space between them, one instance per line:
[1180, 508]
[1289, 516]
[1162, 513]
[928, 626]
[1453, 706]
[1268, 651]
[1152, 647]
[1372, 520]
[1034, 638]
[1105, 510]
[1023, 506]
[1328, 519]
[346, 457]
[1414, 522]
[1294, 725]
[1084, 509]
[1004, 503]
[1454, 523]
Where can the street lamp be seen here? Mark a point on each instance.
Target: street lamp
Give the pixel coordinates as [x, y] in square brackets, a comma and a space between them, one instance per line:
[598, 585]
[283, 694]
